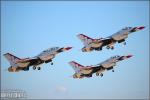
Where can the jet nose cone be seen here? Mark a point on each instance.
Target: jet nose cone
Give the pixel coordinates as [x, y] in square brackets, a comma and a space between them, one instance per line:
[128, 56]
[137, 28]
[68, 48]
[141, 27]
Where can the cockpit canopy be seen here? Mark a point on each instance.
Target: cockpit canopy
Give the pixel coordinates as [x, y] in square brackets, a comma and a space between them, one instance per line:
[126, 28]
[51, 49]
[117, 56]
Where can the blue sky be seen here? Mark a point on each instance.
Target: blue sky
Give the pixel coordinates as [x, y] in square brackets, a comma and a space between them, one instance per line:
[27, 28]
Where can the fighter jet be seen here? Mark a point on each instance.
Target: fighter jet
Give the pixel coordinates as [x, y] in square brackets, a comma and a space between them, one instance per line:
[97, 44]
[87, 71]
[18, 64]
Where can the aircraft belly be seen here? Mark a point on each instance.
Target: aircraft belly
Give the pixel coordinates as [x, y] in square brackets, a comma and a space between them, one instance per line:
[87, 49]
[23, 64]
[86, 71]
[100, 71]
[96, 45]
[46, 57]
[78, 75]
[108, 65]
[120, 36]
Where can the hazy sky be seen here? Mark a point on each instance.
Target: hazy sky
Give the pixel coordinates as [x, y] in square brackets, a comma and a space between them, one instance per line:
[27, 28]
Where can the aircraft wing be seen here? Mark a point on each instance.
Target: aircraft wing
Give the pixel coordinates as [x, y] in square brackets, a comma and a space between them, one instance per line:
[27, 60]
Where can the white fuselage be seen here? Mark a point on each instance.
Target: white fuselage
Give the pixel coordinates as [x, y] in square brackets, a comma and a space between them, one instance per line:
[48, 54]
[122, 34]
[110, 62]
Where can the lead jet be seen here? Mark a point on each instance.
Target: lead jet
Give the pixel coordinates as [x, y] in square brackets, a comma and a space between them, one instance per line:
[91, 44]
[87, 71]
[18, 64]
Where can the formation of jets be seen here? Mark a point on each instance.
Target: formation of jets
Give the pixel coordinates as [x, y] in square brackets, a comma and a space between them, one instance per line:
[18, 64]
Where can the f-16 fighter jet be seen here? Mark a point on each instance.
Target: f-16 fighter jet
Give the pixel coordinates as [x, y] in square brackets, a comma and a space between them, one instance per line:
[18, 64]
[87, 71]
[97, 44]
